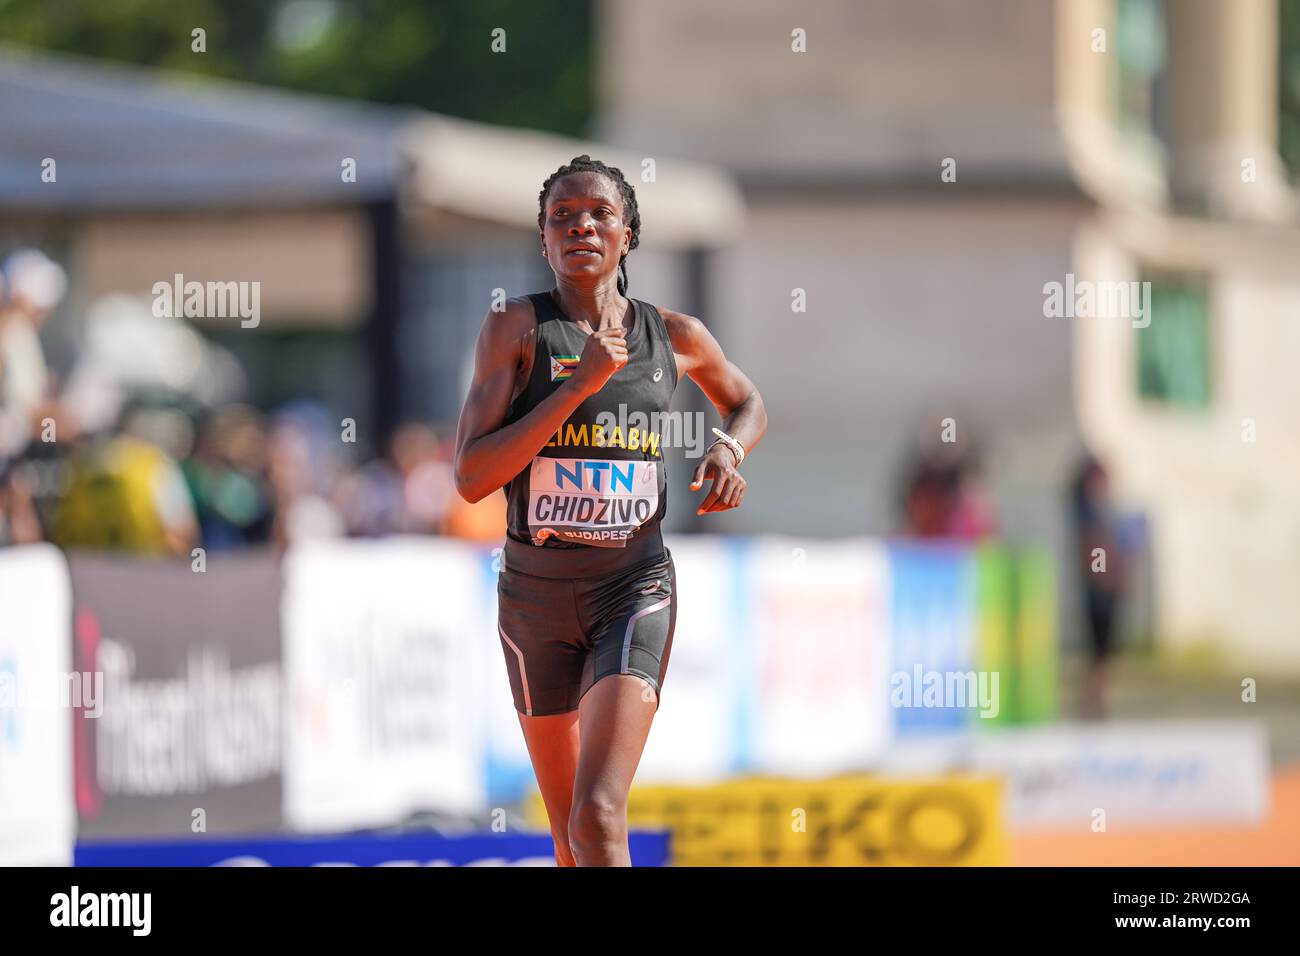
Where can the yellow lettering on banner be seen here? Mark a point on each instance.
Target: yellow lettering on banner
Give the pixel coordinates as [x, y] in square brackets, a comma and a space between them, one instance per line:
[853, 821]
[575, 435]
[654, 443]
[616, 438]
[634, 439]
[598, 436]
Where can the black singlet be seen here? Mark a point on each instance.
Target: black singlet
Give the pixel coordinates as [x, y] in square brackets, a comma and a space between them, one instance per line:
[600, 480]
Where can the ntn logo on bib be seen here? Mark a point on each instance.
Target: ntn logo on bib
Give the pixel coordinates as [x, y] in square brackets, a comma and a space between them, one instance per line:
[591, 500]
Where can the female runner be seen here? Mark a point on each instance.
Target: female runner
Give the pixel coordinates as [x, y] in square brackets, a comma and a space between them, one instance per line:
[564, 412]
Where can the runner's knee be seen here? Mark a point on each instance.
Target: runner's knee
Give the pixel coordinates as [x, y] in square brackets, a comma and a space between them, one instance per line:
[597, 817]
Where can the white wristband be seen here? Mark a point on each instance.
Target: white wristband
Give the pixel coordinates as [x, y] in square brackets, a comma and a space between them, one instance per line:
[731, 443]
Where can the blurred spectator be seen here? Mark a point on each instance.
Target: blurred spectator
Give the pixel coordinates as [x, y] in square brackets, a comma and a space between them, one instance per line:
[126, 493]
[423, 458]
[33, 285]
[19, 522]
[926, 499]
[303, 473]
[372, 500]
[1101, 574]
[407, 494]
[943, 495]
[972, 516]
[226, 477]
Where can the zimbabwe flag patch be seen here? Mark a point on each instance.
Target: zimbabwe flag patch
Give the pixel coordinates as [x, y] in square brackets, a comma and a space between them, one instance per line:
[562, 366]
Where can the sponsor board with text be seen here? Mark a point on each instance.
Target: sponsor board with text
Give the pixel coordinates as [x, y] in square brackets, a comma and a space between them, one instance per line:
[190, 734]
[384, 681]
[37, 815]
[842, 821]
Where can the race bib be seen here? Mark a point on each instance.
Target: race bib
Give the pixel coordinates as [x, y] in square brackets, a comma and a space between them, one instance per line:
[591, 500]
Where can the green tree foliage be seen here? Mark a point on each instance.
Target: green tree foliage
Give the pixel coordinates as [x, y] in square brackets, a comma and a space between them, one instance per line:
[435, 54]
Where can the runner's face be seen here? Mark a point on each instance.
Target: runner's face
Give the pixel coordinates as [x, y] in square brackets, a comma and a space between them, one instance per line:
[584, 235]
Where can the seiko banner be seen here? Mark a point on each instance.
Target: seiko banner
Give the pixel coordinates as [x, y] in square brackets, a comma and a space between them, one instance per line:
[189, 737]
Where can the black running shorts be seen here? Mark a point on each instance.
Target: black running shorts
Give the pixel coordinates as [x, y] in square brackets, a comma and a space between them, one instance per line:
[568, 617]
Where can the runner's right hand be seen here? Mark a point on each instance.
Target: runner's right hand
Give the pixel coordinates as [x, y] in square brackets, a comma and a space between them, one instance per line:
[603, 354]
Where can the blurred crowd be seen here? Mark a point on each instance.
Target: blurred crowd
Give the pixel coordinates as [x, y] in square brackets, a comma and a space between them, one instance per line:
[144, 443]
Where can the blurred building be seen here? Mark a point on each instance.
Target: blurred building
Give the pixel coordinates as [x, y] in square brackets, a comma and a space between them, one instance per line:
[1099, 140]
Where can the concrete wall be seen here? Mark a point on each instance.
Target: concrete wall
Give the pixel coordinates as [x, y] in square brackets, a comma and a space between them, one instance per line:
[914, 310]
[880, 81]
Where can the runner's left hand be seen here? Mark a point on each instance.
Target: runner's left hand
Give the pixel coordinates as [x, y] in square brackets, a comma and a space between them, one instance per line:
[719, 466]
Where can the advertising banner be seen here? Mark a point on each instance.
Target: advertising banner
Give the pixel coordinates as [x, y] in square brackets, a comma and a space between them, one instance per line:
[38, 690]
[842, 821]
[1122, 774]
[995, 630]
[819, 628]
[509, 771]
[189, 737]
[936, 683]
[1036, 638]
[1129, 773]
[704, 726]
[384, 681]
[360, 849]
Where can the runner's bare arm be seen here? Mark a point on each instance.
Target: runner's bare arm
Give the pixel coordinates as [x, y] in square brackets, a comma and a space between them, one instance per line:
[700, 356]
[487, 455]
[738, 402]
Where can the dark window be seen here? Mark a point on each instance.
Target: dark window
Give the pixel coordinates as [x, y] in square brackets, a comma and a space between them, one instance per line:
[1174, 350]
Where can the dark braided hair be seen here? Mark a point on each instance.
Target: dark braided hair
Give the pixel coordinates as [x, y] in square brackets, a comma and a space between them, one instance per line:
[631, 215]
